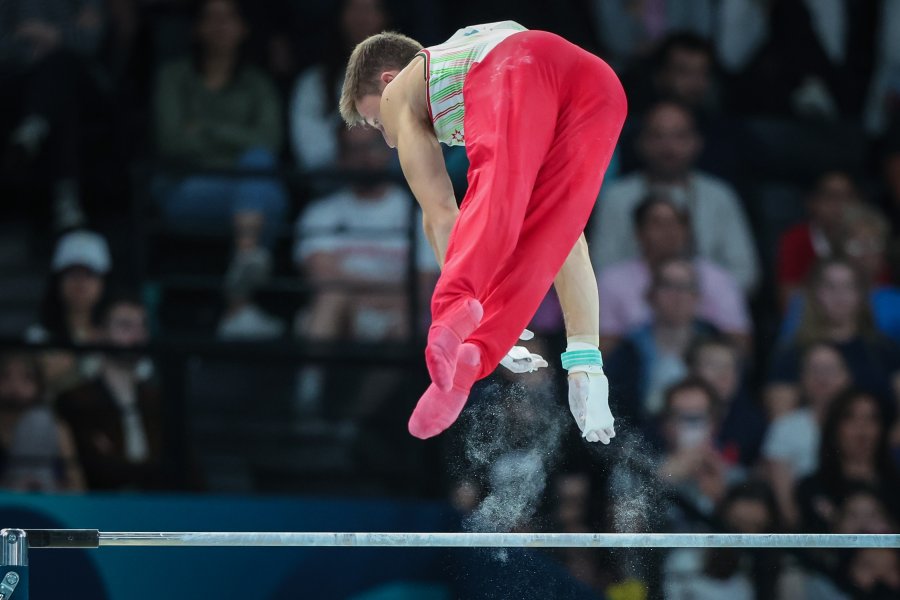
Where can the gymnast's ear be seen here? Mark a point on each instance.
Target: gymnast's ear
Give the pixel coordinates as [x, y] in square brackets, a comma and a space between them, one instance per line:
[388, 76]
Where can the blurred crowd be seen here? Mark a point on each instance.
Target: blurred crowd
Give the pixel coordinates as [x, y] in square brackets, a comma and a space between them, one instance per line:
[746, 242]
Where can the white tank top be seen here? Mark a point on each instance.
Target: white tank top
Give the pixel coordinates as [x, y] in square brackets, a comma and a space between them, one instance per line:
[446, 67]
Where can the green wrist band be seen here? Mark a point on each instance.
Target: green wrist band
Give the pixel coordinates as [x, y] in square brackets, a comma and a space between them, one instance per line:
[576, 358]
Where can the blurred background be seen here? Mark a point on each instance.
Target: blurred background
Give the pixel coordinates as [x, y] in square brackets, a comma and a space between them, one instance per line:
[213, 298]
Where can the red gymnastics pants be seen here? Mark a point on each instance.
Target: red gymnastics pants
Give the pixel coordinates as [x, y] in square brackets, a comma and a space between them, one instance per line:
[542, 117]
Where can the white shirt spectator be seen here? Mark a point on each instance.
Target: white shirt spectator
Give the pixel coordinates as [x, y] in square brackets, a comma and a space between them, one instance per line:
[314, 127]
[371, 234]
[720, 229]
[794, 439]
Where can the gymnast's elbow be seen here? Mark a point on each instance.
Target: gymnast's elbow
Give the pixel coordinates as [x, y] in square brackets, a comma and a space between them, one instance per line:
[439, 217]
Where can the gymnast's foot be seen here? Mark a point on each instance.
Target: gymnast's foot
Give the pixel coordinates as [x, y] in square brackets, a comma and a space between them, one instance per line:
[444, 341]
[437, 410]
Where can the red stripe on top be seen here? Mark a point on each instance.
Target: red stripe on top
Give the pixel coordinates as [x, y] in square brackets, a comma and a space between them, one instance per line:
[449, 108]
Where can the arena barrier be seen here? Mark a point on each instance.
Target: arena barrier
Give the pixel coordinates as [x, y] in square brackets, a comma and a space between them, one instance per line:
[17, 542]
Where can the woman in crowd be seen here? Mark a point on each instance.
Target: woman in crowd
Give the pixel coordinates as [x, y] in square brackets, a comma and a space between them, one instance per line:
[73, 299]
[791, 444]
[36, 450]
[213, 111]
[863, 240]
[853, 450]
[837, 313]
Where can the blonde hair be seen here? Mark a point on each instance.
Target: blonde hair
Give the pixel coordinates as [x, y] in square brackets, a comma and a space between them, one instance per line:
[371, 57]
[866, 217]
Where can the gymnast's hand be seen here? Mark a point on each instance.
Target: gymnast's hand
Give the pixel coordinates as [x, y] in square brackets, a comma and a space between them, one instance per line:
[520, 360]
[589, 403]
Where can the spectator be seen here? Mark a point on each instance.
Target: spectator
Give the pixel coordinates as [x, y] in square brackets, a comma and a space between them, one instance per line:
[834, 59]
[72, 302]
[853, 450]
[47, 83]
[669, 144]
[663, 233]
[681, 70]
[717, 360]
[630, 30]
[874, 573]
[791, 445]
[36, 450]
[864, 242]
[837, 313]
[352, 242]
[314, 103]
[819, 236]
[690, 460]
[695, 574]
[652, 356]
[862, 510]
[214, 110]
[117, 416]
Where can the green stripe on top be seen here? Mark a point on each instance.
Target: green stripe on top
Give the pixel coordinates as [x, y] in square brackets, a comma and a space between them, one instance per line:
[449, 64]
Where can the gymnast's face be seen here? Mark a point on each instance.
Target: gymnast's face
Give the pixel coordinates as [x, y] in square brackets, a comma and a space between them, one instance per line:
[369, 106]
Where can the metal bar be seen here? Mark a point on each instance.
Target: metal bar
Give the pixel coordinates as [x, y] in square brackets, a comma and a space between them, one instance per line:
[499, 540]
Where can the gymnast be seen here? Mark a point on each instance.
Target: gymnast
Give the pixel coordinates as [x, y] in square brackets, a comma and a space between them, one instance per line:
[539, 118]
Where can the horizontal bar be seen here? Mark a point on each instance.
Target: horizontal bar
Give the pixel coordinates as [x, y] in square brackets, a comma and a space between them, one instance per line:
[62, 538]
[499, 540]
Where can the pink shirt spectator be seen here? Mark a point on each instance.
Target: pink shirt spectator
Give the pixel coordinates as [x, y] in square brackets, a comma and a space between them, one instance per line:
[623, 303]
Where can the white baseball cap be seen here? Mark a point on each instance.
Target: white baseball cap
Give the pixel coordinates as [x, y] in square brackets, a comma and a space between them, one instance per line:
[82, 249]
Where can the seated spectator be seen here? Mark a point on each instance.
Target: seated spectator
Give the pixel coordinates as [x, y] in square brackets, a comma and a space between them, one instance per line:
[791, 445]
[117, 415]
[629, 31]
[48, 83]
[696, 574]
[37, 452]
[853, 450]
[213, 110]
[837, 313]
[819, 237]
[716, 360]
[690, 460]
[864, 238]
[683, 69]
[352, 245]
[669, 145]
[73, 298]
[863, 510]
[651, 358]
[314, 117]
[865, 243]
[663, 233]
[874, 573]
[816, 59]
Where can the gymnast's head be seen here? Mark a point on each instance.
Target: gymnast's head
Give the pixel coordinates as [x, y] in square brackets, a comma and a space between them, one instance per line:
[374, 63]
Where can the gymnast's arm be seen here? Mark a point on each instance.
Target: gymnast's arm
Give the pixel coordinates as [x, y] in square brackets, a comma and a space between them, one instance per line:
[576, 286]
[423, 166]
